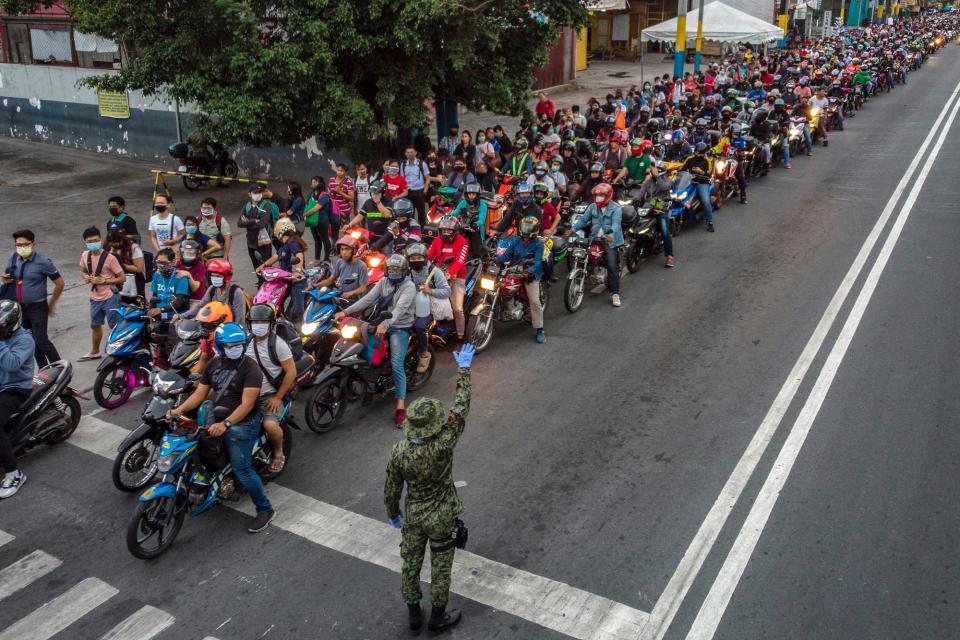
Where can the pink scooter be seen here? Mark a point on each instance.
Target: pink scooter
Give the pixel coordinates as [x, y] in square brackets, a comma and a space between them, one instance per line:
[274, 290]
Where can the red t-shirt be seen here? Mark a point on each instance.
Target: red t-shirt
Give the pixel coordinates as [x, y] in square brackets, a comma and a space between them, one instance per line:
[459, 248]
[549, 214]
[395, 186]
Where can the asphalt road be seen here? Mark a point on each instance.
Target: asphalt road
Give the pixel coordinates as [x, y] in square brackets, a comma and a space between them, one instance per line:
[595, 461]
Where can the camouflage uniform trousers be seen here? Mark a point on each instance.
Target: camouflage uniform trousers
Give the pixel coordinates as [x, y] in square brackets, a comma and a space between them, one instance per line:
[436, 530]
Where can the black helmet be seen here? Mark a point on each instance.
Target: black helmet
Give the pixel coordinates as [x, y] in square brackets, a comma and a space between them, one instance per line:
[569, 134]
[655, 124]
[779, 103]
[378, 187]
[569, 145]
[402, 208]
[11, 317]
[473, 187]
[700, 148]
[262, 313]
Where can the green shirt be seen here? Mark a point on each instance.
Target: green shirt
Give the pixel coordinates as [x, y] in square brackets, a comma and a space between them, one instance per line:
[637, 167]
[209, 228]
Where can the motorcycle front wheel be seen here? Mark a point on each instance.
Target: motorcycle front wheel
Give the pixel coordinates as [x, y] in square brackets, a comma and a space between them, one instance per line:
[231, 170]
[326, 405]
[480, 331]
[573, 292]
[160, 518]
[136, 465]
[638, 251]
[114, 385]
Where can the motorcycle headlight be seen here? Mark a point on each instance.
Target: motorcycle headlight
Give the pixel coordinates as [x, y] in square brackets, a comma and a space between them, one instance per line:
[350, 331]
[625, 201]
[721, 165]
[309, 328]
[487, 283]
[375, 262]
[165, 462]
[814, 111]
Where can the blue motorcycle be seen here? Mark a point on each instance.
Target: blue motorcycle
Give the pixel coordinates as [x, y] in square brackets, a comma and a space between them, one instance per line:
[319, 332]
[684, 202]
[195, 478]
[129, 357]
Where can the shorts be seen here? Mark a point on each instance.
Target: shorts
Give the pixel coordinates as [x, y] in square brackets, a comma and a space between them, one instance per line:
[104, 310]
[267, 415]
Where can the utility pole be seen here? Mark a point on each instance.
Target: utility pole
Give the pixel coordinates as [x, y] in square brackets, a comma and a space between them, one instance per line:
[783, 20]
[696, 58]
[680, 56]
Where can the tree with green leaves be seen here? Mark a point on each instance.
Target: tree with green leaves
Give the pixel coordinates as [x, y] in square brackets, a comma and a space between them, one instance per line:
[262, 72]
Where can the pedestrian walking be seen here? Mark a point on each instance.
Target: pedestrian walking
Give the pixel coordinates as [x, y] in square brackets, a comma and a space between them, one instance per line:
[424, 462]
[103, 272]
[25, 281]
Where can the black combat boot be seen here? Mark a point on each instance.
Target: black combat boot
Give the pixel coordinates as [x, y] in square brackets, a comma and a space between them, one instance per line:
[416, 616]
[441, 620]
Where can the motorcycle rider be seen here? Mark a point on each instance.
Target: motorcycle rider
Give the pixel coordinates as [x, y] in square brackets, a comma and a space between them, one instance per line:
[540, 171]
[678, 149]
[471, 213]
[700, 133]
[348, 267]
[526, 248]
[396, 294]
[402, 231]
[760, 129]
[820, 102]
[782, 121]
[604, 217]
[16, 383]
[593, 178]
[219, 275]
[521, 164]
[639, 161]
[233, 382]
[572, 167]
[657, 188]
[701, 168]
[275, 360]
[374, 214]
[451, 244]
[430, 283]
[522, 207]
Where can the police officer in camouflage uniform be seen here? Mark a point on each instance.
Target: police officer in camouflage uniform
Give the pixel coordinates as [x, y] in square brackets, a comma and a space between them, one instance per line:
[424, 460]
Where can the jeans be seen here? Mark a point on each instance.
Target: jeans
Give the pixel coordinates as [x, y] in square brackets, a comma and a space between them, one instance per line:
[418, 199]
[786, 151]
[399, 342]
[35, 319]
[613, 268]
[10, 401]
[807, 138]
[297, 290]
[664, 218]
[420, 327]
[241, 439]
[703, 192]
[457, 290]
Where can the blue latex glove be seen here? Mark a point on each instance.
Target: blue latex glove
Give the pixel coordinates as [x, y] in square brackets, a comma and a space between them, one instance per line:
[464, 357]
[397, 522]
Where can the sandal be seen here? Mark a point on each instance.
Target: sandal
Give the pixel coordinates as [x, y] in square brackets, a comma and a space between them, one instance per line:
[276, 465]
[424, 364]
[89, 356]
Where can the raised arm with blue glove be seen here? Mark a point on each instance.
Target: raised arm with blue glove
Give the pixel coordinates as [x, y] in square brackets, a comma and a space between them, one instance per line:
[464, 356]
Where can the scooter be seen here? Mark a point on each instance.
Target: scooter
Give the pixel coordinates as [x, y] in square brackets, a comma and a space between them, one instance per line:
[318, 331]
[274, 290]
[51, 412]
[132, 348]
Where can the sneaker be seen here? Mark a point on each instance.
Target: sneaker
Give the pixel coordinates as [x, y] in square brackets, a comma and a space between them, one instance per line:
[399, 417]
[710, 228]
[669, 264]
[11, 483]
[261, 521]
[787, 166]
[743, 201]
[616, 300]
[541, 337]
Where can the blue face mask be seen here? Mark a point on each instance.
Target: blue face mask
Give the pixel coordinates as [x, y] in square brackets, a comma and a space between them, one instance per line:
[524, 200]
[94, 246]
[191, 229]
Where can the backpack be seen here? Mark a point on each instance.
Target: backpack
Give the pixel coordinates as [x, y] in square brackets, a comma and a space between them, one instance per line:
[247, 298]
[100, 261]
[121, 218]
[218, 220]
[292, 338]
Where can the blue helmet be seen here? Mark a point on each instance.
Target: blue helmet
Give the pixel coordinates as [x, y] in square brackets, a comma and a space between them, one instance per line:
[740, 143]
[229, 334]
[678, 136]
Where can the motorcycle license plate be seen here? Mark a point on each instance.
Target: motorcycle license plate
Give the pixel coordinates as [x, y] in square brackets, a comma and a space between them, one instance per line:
[182, 168]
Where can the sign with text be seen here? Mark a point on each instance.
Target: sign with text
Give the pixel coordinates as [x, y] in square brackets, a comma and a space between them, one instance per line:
[113, 104]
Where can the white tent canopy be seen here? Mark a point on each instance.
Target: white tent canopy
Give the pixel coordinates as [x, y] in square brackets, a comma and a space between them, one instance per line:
[720, 23]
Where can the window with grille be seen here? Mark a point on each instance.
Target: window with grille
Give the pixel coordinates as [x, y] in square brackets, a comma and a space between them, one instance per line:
[51, 46]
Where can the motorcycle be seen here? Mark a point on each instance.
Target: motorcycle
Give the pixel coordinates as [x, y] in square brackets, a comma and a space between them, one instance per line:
[187, 484]
[318, 330]
[441, 205]
[443, 332]
[795, 137]
[685, 201]
[135, 465]
[185, 356]
[504, 300]
[132, 348]
[375, 267]
[274, 289]
[217, 165]
[359, 367]
[645, 239]
[725, 177]
[589, 268]
[51, 412]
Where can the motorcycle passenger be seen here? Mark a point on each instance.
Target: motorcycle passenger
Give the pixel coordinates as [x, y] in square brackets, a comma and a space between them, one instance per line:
[604, 218]
[701, 168]
[347, 268]
[374, 214]
[572, 167]
[451, 244]
[275, 360]
[430, 283]
[396, 293]
[559, 178]
[211, 316]
[16, 383]
[678, 149]
[657, 187]
[233, 382]
[291, 258]
[219, 274]
[782, 121]
[639, 161]
[191, 264]
[613, 157]
[472, 211]
[402, 231]
[550, 221]
[460, 177]
[522, 207]
[540, 175]
[171, 292]
[526, 248]
[592, 179]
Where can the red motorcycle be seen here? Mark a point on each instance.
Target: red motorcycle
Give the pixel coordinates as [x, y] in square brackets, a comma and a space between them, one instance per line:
[504, 300]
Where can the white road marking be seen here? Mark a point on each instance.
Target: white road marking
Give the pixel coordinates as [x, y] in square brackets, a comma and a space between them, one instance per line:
[26, 570]
[143, 624]
[6, 537]
[715, 604]
[136, 392]
[549, 603]
[61, 612]
[661, 617]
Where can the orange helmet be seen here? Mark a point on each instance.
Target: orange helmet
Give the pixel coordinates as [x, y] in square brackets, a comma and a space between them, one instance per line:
[602, 193]
[213, 314]
[221, 266]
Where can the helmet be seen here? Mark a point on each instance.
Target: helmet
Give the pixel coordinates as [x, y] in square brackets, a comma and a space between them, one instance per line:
[227, 335]
[700, 148]
[473, 187]
[396, 268]
[11, 317]
[757, 84]
[378, 187]
[779, 103]
[524, 192]
[447, 194]
[596, 167]
[568, 146]
[529, 227]
[569, 134]
[556, 160]
[520, 144]
[727, 110]
[804, 81]
[347, 241]
[636, 142]
[647, 145]
[262, 313]
[609, 121]
[190, 252]
[604, 191]
[645, 108]
[284, 226]
[775, 92]
[213, 314]
[654, 124]
[677, 136]
[402, 208]
[540, 188]
[740, 143]
[540, 166]
[736, 129]
[221, 266]
[449, 226]
[701, 123]
[416, 250]
[732, 93]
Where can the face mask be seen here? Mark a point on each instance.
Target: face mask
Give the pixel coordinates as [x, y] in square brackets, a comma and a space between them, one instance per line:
[159, 208]
[411, 156]
[233, 352]
[393, 171]
[165, 268]
[460, 169]
[191, 229]
[256, 197]
[114, 211]
[207, 212]
[555, 167]
[417, 266]
[540, 173]
[216, 281]
[260, 329]
[24, 252]
[94, 246]
[598, 199]
[394, 277]
[481, 139]
[549, 132]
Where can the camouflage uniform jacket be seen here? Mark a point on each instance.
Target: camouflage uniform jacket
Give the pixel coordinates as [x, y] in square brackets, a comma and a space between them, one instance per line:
[427, 467]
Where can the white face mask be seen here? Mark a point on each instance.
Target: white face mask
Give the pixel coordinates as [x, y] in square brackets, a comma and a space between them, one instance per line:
[599, 200]
[260, 330]
[216, 281]
[234, 352]
[256, 197]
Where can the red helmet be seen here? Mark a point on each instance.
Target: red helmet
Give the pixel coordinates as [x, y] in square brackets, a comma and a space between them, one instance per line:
[221, 266]
[604, 191]
[347, 241]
